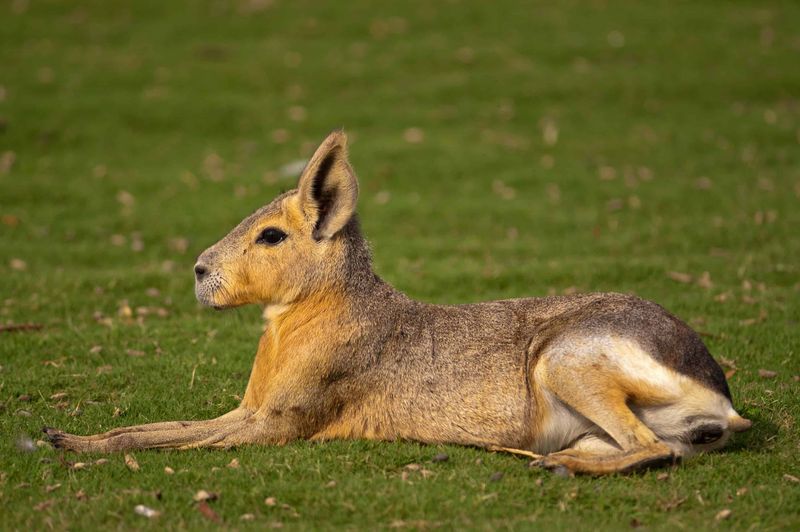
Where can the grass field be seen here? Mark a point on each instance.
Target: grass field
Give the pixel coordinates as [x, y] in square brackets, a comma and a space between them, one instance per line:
[504, 150]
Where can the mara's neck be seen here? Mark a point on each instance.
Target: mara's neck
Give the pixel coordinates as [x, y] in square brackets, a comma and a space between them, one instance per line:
[363, 298]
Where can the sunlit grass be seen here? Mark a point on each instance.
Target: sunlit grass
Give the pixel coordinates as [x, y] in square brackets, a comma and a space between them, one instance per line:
[503, 151]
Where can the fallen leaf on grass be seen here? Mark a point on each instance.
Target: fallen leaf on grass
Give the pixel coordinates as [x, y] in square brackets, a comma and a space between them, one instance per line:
[723, 297]
[207, 512]
[741, 491]
[270, 501]
[723, 514]
[672, 504]
[131, 462]
[125, 311]
[247, 517]
[413, 135]
[752, 321]
[203, 495]
[704, 281]
[146, 511]
[441, 457]
[10, 220]
[790, 478]
[504, 191]
[291, 510]
[101, 461]
[81, 495]
[44, 504]
[680, 277]
[52, 487]
[767, 374]
[234, 464]
[13, 327]
[730, 373]
[168, 470]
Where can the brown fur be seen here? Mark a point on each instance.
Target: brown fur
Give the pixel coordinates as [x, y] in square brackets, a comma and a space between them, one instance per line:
[345, 355]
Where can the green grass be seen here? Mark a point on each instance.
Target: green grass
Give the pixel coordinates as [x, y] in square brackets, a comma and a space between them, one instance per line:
[677, 150]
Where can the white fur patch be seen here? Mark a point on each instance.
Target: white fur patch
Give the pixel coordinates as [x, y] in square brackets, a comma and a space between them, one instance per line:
[561, 426]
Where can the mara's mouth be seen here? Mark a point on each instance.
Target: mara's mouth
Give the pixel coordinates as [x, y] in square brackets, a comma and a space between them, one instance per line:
[206, 292]
[209, 293]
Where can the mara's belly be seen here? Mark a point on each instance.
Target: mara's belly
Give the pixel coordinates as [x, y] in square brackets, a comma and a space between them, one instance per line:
[471, 414]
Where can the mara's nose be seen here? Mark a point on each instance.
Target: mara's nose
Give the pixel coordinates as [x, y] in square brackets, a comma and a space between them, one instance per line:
[200, 271]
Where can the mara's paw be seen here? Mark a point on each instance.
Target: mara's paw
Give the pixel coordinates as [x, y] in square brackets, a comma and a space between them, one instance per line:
[54, 436]
[68, 442]
[656, 461]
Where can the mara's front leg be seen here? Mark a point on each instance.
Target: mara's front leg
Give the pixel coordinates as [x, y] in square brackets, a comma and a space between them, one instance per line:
[286, 414]
[166, 434]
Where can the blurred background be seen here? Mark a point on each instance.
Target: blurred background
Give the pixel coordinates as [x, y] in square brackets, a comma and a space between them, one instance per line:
[491, 138]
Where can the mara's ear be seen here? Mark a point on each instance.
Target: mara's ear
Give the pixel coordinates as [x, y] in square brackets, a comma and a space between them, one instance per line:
[328, 187]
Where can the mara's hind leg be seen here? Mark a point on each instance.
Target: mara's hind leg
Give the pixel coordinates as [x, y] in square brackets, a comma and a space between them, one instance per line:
[596, 455]
[600, 392]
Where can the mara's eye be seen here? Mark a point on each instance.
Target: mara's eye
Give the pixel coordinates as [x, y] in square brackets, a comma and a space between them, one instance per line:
[271, 236]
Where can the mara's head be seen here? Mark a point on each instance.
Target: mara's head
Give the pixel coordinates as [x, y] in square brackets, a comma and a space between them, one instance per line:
[302, 242]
